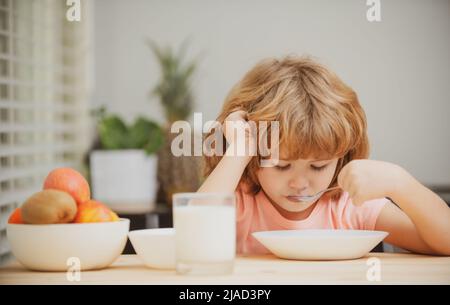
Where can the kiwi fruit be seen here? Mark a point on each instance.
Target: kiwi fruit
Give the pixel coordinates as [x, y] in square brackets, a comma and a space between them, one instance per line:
[49, 206]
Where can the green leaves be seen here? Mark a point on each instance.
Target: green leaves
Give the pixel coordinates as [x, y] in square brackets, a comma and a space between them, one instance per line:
[113, 133]
[174, 87]
[146, 134]
[143, 134]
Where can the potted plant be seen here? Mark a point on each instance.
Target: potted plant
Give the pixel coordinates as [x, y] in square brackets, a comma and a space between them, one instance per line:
[175, 174]
[123, 170]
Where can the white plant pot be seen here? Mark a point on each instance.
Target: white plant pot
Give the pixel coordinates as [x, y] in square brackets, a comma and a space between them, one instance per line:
[125, 180]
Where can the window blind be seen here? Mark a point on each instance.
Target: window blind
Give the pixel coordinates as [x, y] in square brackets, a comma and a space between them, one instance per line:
[43, 98]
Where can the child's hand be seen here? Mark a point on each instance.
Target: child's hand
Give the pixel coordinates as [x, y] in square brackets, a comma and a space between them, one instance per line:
[242, 143]
[368, 179]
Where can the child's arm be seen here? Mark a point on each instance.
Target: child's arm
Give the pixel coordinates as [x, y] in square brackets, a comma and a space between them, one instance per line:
[421, 224]
[227, 174]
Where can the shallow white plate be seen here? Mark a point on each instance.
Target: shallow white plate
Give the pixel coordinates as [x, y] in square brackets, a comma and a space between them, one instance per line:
[320, 244]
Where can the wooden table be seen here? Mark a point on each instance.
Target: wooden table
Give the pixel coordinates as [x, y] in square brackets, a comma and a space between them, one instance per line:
[267, 269]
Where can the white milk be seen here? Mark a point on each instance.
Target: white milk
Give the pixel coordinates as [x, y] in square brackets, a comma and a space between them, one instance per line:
[205, 233]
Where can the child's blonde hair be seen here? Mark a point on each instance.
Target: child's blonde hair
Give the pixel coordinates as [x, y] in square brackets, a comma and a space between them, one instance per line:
[319, 115]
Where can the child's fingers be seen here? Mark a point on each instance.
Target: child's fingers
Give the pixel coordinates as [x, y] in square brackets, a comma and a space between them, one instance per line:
[237, 116]
[353, 193]
[349, 186]
[359, 193]
[342, 178]
[357, 199]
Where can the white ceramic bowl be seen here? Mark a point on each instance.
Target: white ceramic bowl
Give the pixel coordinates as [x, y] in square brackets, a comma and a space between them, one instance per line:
[320, 244]
[58, 247]
[156, 247]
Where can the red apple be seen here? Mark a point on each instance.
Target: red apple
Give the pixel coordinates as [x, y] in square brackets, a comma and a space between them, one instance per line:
[70, 181]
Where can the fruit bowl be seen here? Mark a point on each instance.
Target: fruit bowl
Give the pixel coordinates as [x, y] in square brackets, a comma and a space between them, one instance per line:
[55, 247]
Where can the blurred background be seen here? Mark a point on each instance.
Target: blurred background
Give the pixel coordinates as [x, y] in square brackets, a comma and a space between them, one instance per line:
[95, 85]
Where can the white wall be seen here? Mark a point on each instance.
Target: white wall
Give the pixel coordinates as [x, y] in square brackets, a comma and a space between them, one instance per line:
[400, 67]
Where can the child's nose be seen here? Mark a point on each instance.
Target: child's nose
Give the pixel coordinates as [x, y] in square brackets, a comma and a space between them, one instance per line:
[298, 183]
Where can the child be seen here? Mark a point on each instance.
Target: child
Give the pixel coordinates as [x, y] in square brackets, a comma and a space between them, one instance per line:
[322, 143]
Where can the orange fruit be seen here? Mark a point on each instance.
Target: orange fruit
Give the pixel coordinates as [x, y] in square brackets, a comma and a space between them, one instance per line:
[94, 211]
[16, 217]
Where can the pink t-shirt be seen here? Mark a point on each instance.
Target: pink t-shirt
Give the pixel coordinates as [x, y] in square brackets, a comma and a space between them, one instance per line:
[256, 213]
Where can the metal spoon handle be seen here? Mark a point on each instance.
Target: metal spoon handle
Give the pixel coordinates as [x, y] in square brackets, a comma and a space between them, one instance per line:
[318, 194]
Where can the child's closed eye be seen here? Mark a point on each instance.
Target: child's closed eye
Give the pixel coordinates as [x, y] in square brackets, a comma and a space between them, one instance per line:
[283, 167]
[319, 168]
[287, 166]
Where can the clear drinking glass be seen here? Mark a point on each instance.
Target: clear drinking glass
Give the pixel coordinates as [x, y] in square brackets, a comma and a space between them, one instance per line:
[205, 232]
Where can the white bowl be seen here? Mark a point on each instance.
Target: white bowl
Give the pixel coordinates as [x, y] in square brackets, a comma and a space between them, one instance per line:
[320, 244]
[58, 247]
[156, 247]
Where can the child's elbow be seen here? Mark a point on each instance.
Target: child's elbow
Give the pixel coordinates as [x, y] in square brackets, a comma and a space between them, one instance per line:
[442, 249]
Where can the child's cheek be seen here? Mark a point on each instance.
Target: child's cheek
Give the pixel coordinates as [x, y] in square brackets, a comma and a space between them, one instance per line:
[328, 174]
[267, 176]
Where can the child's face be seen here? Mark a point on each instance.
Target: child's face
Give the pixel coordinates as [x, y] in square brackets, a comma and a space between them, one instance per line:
[294, 178]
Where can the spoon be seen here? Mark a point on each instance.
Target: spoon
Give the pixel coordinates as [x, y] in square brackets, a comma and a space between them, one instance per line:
[309, 198]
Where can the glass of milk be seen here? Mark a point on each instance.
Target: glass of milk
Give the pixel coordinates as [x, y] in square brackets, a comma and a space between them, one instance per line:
[205, 232]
